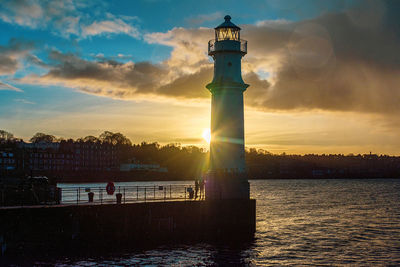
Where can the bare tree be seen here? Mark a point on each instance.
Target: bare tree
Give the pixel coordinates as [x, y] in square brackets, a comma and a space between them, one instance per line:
[6, 136]
[42, 137]
[89, 139]
[114, 138]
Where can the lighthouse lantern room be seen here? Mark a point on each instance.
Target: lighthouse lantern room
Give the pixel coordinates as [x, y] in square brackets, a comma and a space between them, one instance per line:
[227, 31]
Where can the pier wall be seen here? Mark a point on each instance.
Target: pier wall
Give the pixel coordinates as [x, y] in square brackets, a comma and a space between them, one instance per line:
[109, 226]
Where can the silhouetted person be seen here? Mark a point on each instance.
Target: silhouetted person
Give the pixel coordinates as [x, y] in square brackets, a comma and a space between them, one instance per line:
[202, 189]
[196, 188]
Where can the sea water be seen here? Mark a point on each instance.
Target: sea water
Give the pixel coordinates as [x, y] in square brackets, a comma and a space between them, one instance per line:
[299, 222]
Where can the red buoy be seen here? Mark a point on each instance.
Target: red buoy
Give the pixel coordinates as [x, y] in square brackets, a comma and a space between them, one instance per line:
[110, 188]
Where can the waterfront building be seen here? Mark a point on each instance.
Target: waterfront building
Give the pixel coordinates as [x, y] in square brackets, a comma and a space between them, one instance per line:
[50, 161]
[8, 161]
[68, 156]
[125, 167]
[92, 156]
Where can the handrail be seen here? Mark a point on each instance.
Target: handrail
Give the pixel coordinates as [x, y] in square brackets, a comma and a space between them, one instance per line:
[212, 49]
[137, 193]
[77, 195]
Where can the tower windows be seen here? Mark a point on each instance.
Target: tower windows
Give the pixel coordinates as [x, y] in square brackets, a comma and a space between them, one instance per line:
[227, 34]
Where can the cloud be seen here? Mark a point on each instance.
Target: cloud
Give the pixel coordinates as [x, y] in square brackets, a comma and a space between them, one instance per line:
[12, 53]
[112, 26]
[24, 101]
[343, 61]
[5, 86]
[106, 77]
[66, 18]
[101, 57]
[189, 85]
[337, 62]
[200, 19]
[33, 59]
[8, 64]
[189, 52]
[20, 12]
[62, 15]
[183, 75]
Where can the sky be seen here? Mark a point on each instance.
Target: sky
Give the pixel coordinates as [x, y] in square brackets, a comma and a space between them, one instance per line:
[324, 75]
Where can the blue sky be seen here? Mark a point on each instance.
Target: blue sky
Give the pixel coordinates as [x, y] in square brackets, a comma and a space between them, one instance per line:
[74, 68]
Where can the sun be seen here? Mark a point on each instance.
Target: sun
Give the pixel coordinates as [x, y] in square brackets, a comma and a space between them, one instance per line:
[207, 135]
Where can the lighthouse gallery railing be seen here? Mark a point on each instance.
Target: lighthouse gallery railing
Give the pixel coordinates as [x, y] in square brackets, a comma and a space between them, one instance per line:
[211, 46]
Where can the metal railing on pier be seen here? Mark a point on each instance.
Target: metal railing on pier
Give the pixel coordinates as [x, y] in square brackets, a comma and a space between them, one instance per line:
[27, 194]
[99, 195]
[128, 194]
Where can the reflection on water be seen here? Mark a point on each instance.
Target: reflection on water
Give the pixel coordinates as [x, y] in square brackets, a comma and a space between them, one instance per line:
[336, 222]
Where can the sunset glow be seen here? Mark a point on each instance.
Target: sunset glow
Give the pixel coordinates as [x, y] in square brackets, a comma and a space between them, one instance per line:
[141, 132]
[142, 70]
[207, 135]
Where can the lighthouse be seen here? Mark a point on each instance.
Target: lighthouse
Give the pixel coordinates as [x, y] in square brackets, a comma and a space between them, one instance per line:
[227, 177]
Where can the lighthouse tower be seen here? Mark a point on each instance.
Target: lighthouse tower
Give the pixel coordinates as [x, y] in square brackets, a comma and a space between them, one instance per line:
[227, 172]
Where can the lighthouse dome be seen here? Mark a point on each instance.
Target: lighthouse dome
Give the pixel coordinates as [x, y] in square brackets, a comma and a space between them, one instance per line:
[227, 23]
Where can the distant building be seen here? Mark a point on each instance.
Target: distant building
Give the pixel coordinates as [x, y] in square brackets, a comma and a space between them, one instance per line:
[135, 165]
[7, 161]
[39, 145]
[92, 156]
[44, 160]
[69, 156]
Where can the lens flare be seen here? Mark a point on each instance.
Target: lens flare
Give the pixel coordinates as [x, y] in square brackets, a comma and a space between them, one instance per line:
[207, 135]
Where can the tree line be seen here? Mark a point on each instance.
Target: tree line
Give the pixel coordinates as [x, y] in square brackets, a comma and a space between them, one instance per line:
[188, 162]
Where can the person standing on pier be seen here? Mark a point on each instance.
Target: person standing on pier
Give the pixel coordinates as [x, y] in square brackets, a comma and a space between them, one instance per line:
[202, 188]
[196, 188]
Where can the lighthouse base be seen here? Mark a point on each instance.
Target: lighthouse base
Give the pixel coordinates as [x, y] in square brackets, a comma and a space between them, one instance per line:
[227, 185]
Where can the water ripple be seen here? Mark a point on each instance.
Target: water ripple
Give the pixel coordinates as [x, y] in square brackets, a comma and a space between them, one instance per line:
[299, 222]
